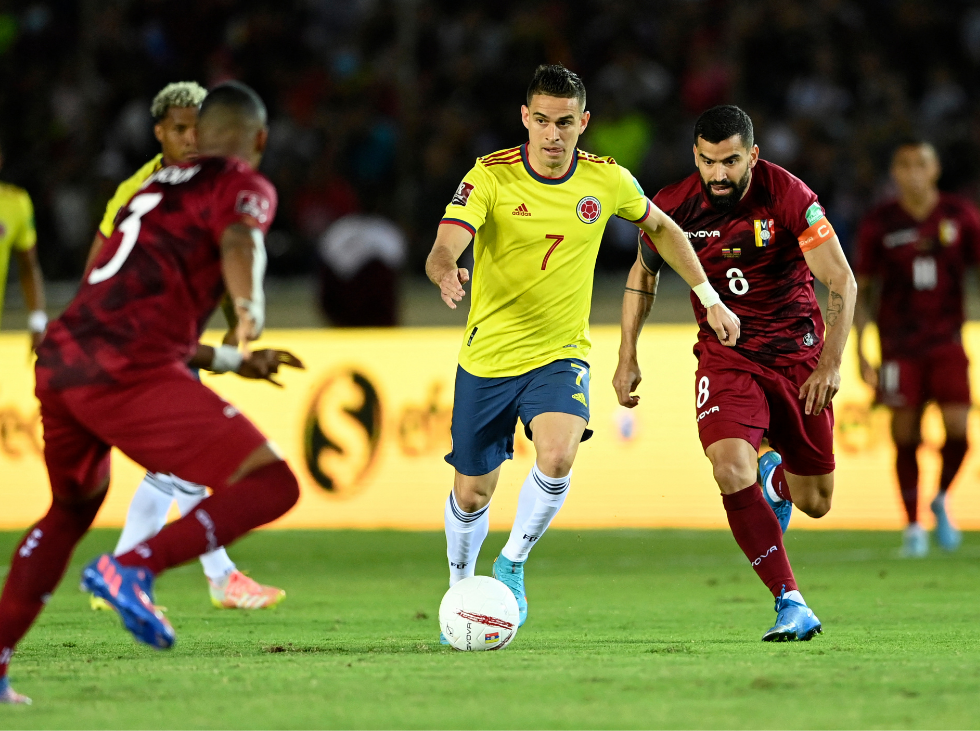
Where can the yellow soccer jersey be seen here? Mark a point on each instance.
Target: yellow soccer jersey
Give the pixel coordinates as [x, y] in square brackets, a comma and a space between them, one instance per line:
[16, 228]
[126, 190]
[536, 244]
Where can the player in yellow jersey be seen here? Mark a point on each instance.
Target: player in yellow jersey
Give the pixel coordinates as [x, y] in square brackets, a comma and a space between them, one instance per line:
[174, 112]
[18, 238]
[537, 213]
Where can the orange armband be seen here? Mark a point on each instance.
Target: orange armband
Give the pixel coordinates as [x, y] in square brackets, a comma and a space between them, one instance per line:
[817, 234]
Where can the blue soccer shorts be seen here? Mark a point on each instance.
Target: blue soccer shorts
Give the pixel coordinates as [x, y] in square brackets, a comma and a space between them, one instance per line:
[485, 410]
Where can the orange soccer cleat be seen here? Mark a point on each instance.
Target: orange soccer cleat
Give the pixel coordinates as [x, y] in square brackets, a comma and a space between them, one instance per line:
[240, 592]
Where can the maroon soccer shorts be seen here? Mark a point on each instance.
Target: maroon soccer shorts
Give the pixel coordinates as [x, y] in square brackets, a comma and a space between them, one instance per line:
[164, 419]
[738, 398]
[941, 374]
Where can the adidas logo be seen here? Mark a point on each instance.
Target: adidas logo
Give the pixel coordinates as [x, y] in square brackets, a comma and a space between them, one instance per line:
[521, 210]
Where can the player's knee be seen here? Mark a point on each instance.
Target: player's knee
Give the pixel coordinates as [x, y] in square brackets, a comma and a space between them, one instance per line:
[732, 476]
[470, 500]
[555, 461]
[815, 500]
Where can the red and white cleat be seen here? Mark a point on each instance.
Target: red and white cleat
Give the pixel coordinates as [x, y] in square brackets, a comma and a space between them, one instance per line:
[240, 592]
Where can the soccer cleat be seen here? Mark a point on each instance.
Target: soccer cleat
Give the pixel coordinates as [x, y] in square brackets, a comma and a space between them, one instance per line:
[10, 696]
[511, 575]
[794, 621]
[782, 508]
[948, 537]
[442, 639]
[915, 542]
[129, 590]
[240, 592]
[98, 604]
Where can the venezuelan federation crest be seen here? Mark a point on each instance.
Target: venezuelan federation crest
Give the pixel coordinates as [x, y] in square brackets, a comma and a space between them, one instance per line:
[588, 209]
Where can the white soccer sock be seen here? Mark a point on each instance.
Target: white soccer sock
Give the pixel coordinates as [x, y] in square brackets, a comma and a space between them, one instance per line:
[540, 500]
[217, 565]
[465, 533]
[147, 512]
[794, 596]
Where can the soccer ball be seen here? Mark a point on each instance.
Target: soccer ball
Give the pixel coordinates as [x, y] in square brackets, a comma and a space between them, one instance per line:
[479, 613]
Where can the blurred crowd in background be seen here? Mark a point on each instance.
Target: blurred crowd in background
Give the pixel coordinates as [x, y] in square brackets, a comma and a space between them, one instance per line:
[378, 107]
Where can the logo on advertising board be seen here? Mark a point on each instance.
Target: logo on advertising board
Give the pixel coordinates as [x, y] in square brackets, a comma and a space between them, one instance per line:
[342, 432]
[588, 209]
[462, 194]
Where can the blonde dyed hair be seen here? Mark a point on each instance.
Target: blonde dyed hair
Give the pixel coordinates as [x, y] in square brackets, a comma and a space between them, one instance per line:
[180, 94]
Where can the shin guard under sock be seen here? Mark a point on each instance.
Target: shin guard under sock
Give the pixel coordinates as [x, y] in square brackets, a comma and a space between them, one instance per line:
[758, 534]
[37, 566]
[232, 511]
[907, 468]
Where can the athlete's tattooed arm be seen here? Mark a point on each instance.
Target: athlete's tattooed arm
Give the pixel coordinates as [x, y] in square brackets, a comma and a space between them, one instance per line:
[641, 291]
[828, 264]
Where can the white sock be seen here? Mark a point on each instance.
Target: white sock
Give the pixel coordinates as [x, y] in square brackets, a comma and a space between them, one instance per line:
[465, 533]
[540, 500]
[147, 512]
[794, 596]
[217, 565]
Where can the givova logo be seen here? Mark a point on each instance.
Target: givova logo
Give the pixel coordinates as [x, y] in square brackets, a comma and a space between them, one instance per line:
[342, 432]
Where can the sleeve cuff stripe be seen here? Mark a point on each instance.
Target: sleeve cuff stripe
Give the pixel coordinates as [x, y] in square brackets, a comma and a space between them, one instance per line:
[642, 218]
[458, 222]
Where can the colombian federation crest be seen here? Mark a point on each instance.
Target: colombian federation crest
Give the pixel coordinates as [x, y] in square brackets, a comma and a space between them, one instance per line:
[588, 209]
[765, 229]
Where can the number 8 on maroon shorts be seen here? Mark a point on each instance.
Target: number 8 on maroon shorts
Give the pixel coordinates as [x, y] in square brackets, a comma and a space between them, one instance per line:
[738, 398]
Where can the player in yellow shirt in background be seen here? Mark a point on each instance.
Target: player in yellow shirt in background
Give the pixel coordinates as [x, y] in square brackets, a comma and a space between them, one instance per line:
[174, 112]
[18, 237]
[537, 213]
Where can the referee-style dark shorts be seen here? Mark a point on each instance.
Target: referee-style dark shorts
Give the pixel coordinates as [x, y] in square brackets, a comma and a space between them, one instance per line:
[485, 410]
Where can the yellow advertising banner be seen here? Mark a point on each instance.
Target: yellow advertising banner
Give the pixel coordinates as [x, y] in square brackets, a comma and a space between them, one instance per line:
[366, 427]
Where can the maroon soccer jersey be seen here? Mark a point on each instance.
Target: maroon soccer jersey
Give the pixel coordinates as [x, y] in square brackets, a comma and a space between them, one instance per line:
[920, 266]
[753, 258]
[157, 279]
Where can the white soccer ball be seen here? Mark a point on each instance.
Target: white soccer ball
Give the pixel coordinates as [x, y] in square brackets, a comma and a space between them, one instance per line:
[479, 613]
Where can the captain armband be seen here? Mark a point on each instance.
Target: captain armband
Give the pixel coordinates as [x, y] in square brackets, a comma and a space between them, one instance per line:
[649, 256]
[817, 234]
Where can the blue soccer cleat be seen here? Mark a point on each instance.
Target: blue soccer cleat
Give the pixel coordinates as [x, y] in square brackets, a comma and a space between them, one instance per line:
[794, 621]
[442, 639]
[782, 508]
[915, 542]
[948, 537]
[129, 591]
[511, 575]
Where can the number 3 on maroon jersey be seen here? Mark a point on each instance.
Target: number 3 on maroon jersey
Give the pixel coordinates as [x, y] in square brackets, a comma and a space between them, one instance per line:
[130, 227]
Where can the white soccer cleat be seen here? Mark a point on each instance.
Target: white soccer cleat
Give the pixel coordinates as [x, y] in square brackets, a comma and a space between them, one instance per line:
[915, 542]
[240, 592]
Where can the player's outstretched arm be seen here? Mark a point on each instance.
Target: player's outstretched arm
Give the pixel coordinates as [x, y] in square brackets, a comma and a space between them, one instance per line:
[677, 251]
[440, 266]
[258, 365]
[243, 262]
[828, 264]
[32, 284]
[638, 299]
[863, 308]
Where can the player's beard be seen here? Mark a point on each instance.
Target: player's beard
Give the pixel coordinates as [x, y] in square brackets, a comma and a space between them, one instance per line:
[725, 203]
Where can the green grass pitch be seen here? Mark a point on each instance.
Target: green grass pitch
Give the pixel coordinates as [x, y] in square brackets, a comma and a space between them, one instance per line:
[627, 629]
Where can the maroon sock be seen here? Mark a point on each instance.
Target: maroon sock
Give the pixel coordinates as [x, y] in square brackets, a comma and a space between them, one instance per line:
[907, 467]
[758, 534]
[779, 485]
[953, 451]
[37, 566]
[232, 511]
